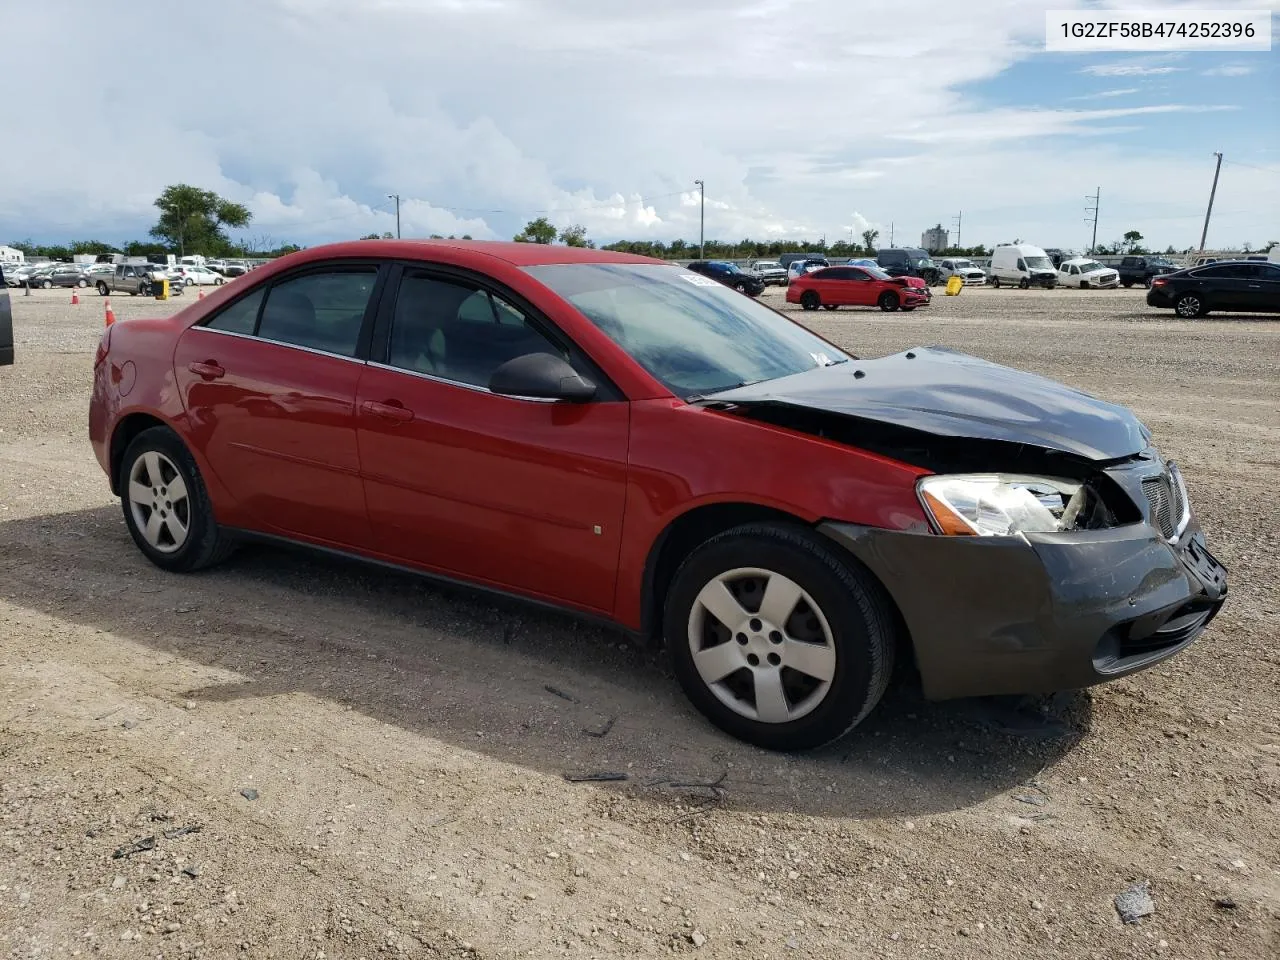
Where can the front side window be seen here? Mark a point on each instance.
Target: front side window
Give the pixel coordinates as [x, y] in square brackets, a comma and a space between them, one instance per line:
[323, 310]
[239, 317]
[1022, 264]
[457, 331]
[695, 339]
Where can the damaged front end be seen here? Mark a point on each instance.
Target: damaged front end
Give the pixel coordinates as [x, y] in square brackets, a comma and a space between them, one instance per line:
[1063, 550]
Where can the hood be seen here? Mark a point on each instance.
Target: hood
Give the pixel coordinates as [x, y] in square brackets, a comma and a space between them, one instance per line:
[950, 394]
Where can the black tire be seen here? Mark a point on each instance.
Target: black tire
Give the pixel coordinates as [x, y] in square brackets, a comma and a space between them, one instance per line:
[217, 282]
[810, 300]
[995, 282]
[1126, 284]
[740, 287]
[1084, 284]
[1189, 306]
[144, 289]
[1146, 283]
[47, 285]
[1023, 283]
[103, 289]
[205, 544]
[852, 602]
[889, 302]
[82, 282]
[187, 282]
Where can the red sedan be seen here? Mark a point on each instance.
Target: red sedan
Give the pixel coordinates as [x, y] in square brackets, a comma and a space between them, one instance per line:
[834, 287]
[635, 442]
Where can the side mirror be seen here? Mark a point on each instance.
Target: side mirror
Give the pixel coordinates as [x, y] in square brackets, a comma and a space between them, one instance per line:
[541, 376]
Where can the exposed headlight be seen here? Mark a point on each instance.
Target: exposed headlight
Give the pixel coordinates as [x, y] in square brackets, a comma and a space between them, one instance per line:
[1000, 504]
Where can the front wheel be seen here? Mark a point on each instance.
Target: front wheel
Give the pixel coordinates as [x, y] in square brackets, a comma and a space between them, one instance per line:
[1189, 306]
[166, 506]
[218, 282]
[1023, 284]
[47, 285]
[1126, 284]
[777, 638]
[888, 302]
[82, 283]
[103, 289]
[995, 282]
[810, 300]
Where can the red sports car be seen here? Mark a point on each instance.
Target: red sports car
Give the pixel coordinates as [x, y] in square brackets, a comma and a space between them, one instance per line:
[834, 287]
[636, 442]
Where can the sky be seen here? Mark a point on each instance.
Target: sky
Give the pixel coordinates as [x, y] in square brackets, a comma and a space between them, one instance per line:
[804, 120]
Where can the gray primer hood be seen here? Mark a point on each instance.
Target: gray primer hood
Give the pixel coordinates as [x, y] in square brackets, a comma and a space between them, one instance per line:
[950, 394]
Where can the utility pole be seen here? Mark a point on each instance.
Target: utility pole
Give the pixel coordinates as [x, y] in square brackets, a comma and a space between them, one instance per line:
[956, 219]
[396, 198]
[1096, 198]
[702, 220]
[1214, 189]
[891, 234]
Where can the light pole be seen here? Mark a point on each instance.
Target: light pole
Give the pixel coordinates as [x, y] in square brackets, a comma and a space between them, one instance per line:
[1214, 189]
[396, 198]
[702, 219]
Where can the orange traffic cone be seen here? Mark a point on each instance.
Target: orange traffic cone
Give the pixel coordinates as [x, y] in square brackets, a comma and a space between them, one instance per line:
[201, 297]
[75, 298]
[111, 317]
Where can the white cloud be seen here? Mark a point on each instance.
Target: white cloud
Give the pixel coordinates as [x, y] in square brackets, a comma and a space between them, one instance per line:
[1104, 94]
[485, 114]
[1228, 70]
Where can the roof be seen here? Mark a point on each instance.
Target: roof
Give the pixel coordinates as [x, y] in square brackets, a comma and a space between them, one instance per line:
[516, 254]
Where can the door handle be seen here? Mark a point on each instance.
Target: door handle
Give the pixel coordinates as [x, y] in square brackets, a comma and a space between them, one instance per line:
[390, 410]
[208, 370]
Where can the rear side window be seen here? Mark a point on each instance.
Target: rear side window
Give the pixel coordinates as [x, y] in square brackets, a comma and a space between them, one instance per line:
[321, 311]
[240, 317]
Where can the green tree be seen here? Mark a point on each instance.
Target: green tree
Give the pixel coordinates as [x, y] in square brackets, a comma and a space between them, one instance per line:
[386, 235]
[541, 230]
[869, 238]
[1133, 241]
[194, 218]
[575, 236]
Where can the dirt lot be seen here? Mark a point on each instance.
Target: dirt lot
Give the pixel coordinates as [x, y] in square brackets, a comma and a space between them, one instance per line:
[375, 766]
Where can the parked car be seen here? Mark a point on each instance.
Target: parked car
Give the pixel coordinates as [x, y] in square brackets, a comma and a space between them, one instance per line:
[966, 270]
[598, 431]
[909, 262]
[196, 275]
[1232, 286]
[39, 277]
[64, 275]
[1022, 265]
[833, 287]
[1142, 270]
[6, 322]
[1085, 273]
[787, 259]
[135, 279]
[798, 268]
[730, 274]
[770, 271]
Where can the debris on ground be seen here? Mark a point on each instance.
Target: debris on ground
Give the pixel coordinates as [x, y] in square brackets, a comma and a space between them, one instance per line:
[249, 793]
[602, 731]
[560, 693]
[182, 831]
[1135, 903]
[603, 775]
[138, 846]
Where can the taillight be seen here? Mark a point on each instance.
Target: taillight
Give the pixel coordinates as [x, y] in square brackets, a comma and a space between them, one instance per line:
[104, 345]
[1159, 282]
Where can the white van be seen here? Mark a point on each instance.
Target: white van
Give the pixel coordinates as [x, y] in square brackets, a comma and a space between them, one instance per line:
[1023, 265]
[1273, 255]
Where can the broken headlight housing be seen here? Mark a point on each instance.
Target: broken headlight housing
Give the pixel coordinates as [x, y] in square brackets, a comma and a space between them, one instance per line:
[1000, 504]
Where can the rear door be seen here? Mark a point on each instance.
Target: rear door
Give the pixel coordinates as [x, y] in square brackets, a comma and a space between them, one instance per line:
[837, 286]
[525, 495]
[269, 384]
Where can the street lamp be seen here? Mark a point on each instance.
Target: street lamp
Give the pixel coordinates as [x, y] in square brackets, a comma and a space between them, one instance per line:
[702, 220]
[396, 198]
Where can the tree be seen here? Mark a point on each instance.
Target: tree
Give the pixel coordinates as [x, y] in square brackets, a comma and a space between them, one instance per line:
[386, 235]
[193, 217]
[1132, 241]
[575, 236]
[541, 230]
[869, 238]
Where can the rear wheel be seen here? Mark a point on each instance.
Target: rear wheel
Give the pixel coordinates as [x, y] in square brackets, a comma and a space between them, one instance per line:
[1126, 284]
[166, 506]
[776, 638]
[888, 302]
[1189, 306]
[1023, 284]
[810, 300]
[995, 282]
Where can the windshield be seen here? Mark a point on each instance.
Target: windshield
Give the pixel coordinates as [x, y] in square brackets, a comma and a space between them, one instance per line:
[876, 272]
[693, 334]
[961, 264]
[1039, 263]
[1091, 265]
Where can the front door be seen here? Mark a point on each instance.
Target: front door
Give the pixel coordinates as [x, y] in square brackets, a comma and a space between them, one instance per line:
[270, 389]
[525, 495]
[1262, 288]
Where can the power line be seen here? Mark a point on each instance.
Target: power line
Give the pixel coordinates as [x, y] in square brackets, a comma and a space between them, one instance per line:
[1209, 210]
[1097, 199]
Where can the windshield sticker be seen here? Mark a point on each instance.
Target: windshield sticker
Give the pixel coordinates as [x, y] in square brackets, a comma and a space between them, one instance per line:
[698, 280]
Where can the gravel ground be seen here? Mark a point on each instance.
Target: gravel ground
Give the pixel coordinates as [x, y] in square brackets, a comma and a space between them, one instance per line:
[366, 764]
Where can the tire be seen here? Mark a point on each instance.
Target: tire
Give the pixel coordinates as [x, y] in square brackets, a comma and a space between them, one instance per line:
[103, 289]
[187, 282]
[810, 300]
[1189, 306]
[82, 283]
[1146, 283]
[217, 282]
[839, 625]
[200, 544]
[1023, 283]
[1084, 284]
[740, 287]
[995, 282]
[888, 302]
[1126, 284]
[47, 285]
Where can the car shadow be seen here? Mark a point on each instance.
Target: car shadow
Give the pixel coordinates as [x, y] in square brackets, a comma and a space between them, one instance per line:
[522, 685]
[1164, 316]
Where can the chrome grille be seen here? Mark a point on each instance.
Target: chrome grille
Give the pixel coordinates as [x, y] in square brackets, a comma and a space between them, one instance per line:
[1167, 500]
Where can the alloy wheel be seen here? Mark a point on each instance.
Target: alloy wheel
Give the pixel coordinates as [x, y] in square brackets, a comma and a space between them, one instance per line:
[1188, 306]
[159, 502]
[762, 645]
